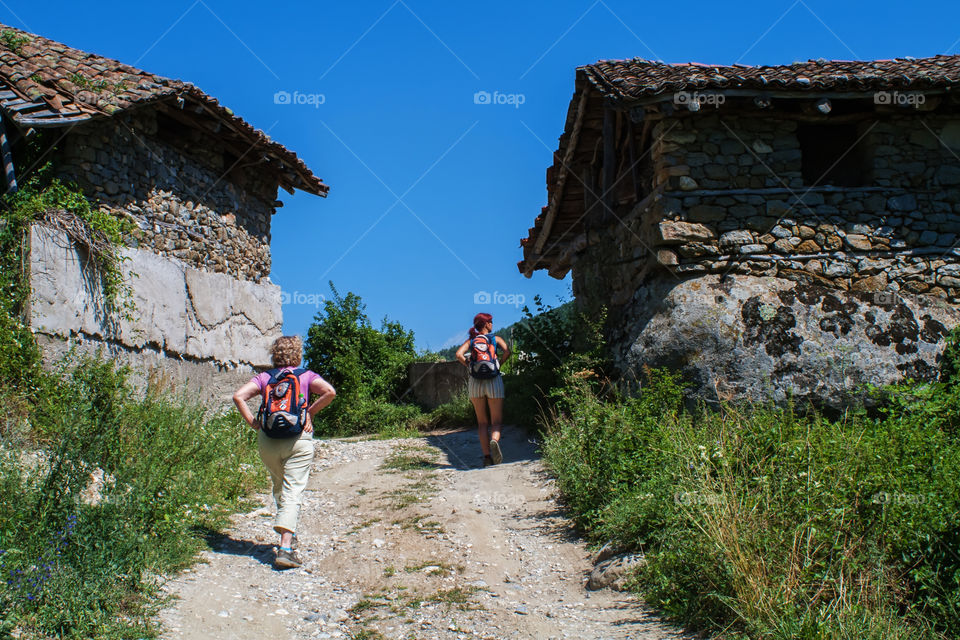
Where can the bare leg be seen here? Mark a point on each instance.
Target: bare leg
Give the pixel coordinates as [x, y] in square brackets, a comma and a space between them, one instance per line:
[483, 422]
[496, 417]
[286, 539]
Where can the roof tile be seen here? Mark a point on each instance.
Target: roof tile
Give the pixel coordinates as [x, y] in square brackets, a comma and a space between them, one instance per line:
[57, 65]
[638, 78]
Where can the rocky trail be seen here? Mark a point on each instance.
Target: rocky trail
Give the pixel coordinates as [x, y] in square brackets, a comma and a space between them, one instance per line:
[409, 538]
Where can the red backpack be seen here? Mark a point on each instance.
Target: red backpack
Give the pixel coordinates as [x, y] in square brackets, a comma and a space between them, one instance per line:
[483, 356]
[283, 411]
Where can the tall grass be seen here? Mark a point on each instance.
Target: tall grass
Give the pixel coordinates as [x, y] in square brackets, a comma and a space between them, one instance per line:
[760, 522]
[101, 492]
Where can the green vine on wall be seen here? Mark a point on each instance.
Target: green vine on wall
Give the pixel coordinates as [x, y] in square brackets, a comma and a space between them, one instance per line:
[65, 207]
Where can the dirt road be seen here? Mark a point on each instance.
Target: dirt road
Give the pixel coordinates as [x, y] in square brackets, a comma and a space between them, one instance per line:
[409, 539]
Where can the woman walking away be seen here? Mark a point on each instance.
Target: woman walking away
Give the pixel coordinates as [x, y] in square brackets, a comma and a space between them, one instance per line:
[485, 386]
[290, 398]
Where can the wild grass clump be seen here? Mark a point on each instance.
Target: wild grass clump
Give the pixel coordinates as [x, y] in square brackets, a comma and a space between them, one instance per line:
[455, 414]
[104, 493]
[761, 522]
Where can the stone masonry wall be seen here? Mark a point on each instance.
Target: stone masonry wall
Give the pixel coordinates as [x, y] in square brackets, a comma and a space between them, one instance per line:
[899, 233]
[730, 203]
[178, 185]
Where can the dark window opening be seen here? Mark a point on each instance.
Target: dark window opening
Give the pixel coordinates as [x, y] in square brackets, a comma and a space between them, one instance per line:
[833, 154]
[171, 130]
[230, 161]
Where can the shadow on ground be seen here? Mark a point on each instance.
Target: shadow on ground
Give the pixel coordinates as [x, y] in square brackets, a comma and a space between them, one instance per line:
[221, 543]
[463, 447]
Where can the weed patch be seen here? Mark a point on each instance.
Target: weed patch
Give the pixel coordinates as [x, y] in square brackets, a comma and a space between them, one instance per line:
[767, 523]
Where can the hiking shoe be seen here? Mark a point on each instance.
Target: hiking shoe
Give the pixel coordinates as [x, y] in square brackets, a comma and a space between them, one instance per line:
[495, 454]
[487, 461]
[286, 559]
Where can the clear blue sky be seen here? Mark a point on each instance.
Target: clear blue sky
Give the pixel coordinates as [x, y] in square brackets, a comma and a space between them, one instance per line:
[430, 192]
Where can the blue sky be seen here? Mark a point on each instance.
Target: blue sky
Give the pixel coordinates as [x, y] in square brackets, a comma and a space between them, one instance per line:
[430, 191]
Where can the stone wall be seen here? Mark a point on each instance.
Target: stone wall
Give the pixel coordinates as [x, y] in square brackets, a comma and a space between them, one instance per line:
[745, 337]
[435, 383]
[729, 208]
[189, 324]
[180, 185]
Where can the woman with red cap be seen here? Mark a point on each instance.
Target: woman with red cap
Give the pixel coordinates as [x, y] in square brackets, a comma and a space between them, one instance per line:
[485, 385]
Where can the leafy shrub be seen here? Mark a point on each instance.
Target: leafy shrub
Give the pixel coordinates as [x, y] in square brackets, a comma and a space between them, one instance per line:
[550, 343]
[100, 492]
[367, 366]
[765, 523]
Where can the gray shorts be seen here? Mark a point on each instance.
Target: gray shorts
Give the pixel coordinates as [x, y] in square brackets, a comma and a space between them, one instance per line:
[488, 388]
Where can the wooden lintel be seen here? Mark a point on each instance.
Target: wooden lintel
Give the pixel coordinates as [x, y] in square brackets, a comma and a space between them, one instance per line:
[609, 159]
[562, 176]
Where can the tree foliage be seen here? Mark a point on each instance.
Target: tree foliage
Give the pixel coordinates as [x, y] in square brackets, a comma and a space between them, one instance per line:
[367, 365]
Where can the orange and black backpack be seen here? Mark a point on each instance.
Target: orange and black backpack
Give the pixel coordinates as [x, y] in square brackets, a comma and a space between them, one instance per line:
[483, 356]
[283, 411]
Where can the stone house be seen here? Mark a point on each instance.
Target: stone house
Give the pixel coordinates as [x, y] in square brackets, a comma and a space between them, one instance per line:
[200, 185]
[771, 230]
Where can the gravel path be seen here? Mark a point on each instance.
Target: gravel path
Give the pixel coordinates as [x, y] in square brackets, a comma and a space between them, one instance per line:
[409, 539]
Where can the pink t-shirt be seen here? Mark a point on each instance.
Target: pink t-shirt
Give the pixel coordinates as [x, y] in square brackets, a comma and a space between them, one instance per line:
[305, 378]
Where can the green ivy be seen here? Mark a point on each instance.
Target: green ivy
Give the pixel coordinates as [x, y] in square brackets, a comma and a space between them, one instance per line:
[30, 204]
[38, 196]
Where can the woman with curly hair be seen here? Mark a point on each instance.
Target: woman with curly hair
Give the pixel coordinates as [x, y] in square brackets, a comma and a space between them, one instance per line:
[286, 440]
[485, 385]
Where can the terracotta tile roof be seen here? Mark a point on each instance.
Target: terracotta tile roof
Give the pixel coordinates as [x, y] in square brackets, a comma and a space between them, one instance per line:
[45, 83]
[637, 78]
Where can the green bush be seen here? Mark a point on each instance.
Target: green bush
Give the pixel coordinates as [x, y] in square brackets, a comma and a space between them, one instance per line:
[367, 366]
[769, 524]
[80, 559]
[548, 344]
